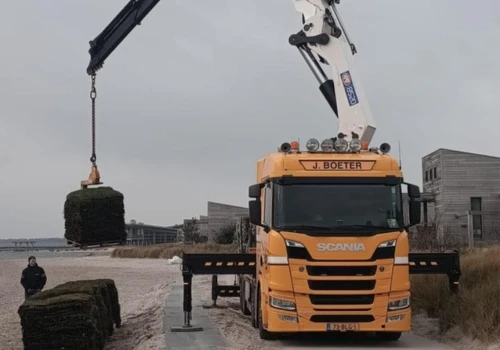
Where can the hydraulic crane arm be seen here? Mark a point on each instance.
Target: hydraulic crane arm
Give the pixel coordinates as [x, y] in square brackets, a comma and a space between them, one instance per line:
[106, 42]
[323, 33]
[100, 48]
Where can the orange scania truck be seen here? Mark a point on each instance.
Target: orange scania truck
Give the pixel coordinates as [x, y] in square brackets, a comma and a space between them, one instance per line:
[331, 247]
[332, 242]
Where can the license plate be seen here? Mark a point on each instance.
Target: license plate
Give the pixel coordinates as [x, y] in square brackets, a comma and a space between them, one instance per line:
[342, 327]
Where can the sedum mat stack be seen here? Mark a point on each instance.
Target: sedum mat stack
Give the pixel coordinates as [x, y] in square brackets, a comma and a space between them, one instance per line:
[109, 293]
[74, 315]
[94, 216]
[63, 322]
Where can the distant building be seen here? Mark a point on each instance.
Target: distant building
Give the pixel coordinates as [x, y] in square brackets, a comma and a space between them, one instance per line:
[143, 234]
[456, 182]
[220, 215]
[203, 226]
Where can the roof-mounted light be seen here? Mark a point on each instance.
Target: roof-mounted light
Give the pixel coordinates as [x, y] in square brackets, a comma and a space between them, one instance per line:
[341, 144]
[312, 145]
[355, 145]
[327, 145]
[294, 145]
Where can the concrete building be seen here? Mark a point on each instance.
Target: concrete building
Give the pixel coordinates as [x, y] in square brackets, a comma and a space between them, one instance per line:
[143, 234]
[203, 226]
[456, 182]
[222, 214]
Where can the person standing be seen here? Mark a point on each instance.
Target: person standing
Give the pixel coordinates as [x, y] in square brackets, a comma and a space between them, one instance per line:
[33, 278]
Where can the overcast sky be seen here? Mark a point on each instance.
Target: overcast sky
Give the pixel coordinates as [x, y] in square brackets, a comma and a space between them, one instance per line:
[193, 97]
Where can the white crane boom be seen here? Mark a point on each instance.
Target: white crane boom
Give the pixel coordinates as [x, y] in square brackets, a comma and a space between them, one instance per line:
[323, 33]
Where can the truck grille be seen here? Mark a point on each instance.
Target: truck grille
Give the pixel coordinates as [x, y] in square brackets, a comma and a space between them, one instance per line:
[341, 285]
[341, 299]
[341, 271]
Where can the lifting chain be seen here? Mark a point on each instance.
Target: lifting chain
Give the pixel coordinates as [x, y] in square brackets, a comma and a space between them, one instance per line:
[93, 95]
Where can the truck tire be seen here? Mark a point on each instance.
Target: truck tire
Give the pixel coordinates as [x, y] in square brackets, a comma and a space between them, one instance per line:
[388, 336]
[243, 303]
[263, 334]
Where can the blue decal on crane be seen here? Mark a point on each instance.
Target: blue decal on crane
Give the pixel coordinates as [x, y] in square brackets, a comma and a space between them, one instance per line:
[350, 91]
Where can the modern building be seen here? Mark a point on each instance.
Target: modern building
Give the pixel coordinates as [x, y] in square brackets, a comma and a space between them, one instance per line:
[203, 225]
[143, 234]
[460, 190]
[220, 215]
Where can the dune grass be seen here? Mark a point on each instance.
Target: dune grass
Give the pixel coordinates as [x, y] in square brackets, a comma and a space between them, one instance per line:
[169, 250]
[475, 310]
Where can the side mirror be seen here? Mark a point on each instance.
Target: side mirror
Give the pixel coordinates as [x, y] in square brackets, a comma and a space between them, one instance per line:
[414, 204]
[255, 211]
[413, 191]
[414, 212]
[254, 191]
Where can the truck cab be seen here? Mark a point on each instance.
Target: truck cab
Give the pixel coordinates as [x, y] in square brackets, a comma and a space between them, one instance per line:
[331, 240]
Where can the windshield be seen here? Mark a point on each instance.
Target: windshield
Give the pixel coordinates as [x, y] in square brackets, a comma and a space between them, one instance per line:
[337, 207]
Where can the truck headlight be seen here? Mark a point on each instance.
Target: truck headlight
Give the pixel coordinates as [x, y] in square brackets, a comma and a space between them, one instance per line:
[294, 244]
[281, 304]
[387, 244]
[399, 304]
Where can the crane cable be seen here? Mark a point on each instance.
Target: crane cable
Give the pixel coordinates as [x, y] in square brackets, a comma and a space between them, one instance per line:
[93, 95]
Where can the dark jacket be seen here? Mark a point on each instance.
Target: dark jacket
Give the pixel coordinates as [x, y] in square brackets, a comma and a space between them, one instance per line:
[33, 277]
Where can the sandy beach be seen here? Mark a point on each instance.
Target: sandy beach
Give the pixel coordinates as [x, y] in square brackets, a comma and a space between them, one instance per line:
[143, 289]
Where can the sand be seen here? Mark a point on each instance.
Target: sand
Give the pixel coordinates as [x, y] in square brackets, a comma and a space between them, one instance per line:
[143, 289]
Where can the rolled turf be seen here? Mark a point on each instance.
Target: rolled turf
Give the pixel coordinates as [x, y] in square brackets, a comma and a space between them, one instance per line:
[101, 298]
[111, 291]
[69, 321]
[94, 216]
[73, 315]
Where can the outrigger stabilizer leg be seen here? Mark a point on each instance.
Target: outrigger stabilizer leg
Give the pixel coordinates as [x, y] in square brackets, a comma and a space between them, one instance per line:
[187, 305]
[211, 264]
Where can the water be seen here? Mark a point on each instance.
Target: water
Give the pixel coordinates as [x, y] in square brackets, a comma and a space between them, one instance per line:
[52, 242]
[60, 251]
[41, 254]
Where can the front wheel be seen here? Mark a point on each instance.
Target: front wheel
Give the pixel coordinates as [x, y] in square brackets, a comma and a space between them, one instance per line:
[388, 336]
